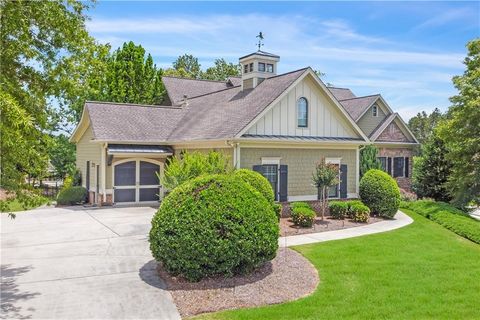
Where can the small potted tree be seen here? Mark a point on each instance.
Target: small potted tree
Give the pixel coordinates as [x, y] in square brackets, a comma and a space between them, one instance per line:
[324, 177]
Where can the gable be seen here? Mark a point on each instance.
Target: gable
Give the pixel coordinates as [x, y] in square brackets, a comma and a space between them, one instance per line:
[325, 118]
[393, 133]
[368, 123]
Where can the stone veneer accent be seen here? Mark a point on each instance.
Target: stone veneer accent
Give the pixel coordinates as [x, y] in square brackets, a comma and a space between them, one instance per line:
[404, 183]
[301, 165]
[393, 133]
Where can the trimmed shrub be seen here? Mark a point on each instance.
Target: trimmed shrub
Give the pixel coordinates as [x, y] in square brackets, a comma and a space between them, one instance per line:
[448, 217]
[338, 209]
[214, 225]
[278, 210]
[380, 193]
[257, 181]
[296, 205]
[359, 212]
[303, 216]
[72, 195]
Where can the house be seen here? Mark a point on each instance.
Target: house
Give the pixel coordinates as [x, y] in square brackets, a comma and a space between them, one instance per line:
[280, 125]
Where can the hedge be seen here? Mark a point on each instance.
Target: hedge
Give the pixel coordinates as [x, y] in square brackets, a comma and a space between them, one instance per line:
[338, 209]
[72, 195]
[214, 225]
[380, 193]
[299, 204]
[359, 212]
[303, 216]
[257, 181]
[447, 216]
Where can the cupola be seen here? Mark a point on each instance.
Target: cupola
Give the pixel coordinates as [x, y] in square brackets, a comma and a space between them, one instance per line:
[256, 67]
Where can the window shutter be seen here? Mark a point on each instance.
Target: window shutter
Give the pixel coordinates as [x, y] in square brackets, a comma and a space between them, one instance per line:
[258, 168]
[283, 196]
[389, 166]
[343, 181]
[407, 168]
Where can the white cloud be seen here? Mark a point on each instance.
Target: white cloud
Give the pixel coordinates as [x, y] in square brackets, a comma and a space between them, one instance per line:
[445, 17]
[341, 30]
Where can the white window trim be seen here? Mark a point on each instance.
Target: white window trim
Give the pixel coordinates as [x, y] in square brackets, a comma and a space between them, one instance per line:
[308, 113]
[271, 160]
[375, 111]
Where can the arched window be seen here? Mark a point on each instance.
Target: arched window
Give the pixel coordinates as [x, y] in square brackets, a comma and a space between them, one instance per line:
[302, 113]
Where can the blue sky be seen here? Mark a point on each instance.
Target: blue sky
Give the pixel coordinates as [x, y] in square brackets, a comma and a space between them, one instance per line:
[407, 51]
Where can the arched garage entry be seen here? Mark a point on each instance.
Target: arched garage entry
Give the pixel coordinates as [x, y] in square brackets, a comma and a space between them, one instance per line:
[135, 180]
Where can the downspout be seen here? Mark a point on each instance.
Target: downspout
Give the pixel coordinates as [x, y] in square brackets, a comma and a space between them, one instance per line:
[236, 153]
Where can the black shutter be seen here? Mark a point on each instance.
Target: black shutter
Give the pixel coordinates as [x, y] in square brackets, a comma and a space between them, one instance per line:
[258, 168]
[406, 167]
[389, 166]
[343, 181]
[283, 196]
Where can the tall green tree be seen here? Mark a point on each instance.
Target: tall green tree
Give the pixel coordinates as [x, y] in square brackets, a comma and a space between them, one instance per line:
[431, 170]
[43, 45]
[422, 124]
[368, 159]
[222, 70]
[62, 156]
[461, 132]
[188, 65]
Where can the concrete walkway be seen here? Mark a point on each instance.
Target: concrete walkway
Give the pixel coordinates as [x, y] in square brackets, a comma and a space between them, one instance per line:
[400, 220]
[76, 263]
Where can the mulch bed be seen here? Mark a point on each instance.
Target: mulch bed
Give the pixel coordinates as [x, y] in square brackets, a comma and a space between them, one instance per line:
[328, 224]
[287, 277]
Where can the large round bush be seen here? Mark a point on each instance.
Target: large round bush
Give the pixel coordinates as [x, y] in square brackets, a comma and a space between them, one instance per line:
[72, 195]
[214, 225]
[257, 181]
[380, 193]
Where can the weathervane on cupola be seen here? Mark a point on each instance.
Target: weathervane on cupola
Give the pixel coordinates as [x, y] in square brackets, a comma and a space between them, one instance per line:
[260, 40]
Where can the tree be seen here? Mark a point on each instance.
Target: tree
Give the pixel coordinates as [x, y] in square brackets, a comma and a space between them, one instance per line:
[62, 156]
[44, 44]
[188, 65]
[222, 70]
[461, 130]
[324, 177]
[422, 124]
[368, 159]
[431, 171]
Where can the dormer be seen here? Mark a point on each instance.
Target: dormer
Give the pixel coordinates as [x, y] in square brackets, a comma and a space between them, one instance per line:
[256, 67]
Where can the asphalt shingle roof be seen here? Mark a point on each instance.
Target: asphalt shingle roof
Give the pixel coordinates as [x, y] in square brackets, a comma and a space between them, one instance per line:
[341, 93]
[178, 87]
[357, 106]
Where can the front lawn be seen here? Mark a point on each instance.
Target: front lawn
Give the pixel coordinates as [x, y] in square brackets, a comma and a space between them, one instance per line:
[15, 205]
[422, 271]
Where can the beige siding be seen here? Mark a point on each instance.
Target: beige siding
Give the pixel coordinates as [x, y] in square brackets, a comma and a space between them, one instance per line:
[325, 119]
[368, 122]
[301, 164]
[88, 151]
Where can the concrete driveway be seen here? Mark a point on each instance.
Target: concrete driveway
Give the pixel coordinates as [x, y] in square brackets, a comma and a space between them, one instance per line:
[65, 263]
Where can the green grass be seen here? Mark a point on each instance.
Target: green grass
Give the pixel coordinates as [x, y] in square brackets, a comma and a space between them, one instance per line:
[15, 205]
[421, 271]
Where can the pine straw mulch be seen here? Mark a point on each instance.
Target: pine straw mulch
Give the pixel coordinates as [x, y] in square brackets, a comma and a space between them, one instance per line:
[289, 276]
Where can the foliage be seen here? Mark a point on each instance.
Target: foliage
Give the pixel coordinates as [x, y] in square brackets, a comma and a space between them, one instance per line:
[461, 131]
[62, 155]
[214, 225]
[359, 212]
[190, 165]
[380, 193]
[257, 181]
[76, 177]
[278, 207]
[338, 209]
[431, 170]
[72, 195]
[189, 65]
[299, 204]
[303, 216]
[407, 196]
[324, 177]
[419, 260]
[67, 182]
[448, 217]
[222, 70]
[423, 124]
[368, 159]
[14, 204]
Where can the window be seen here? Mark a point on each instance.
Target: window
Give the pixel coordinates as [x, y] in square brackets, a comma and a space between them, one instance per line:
[251, 67]
[245, 68]
[375, 111]
[261, 66]
[398, 167]
[302, 113]
[334, 191]
[270, 68]
[260, 80]
[383, 162]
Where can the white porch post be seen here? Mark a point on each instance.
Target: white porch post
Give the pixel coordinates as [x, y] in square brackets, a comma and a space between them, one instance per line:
[103, 170]
[357, 169]
[237, 155]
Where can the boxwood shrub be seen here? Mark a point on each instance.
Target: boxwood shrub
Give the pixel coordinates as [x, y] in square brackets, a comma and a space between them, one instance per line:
[359, 212]
[72, 195]
[299, 204]
[303, 216]
[214, 225]
[338, 209]
[380, 193]
[257, 181]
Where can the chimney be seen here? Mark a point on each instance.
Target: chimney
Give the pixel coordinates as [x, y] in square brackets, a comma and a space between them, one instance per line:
[256, 67]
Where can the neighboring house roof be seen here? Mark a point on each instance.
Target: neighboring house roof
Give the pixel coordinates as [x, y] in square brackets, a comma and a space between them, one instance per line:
[356, 107]
[177, 88]
[388, 120]
[341, 93]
